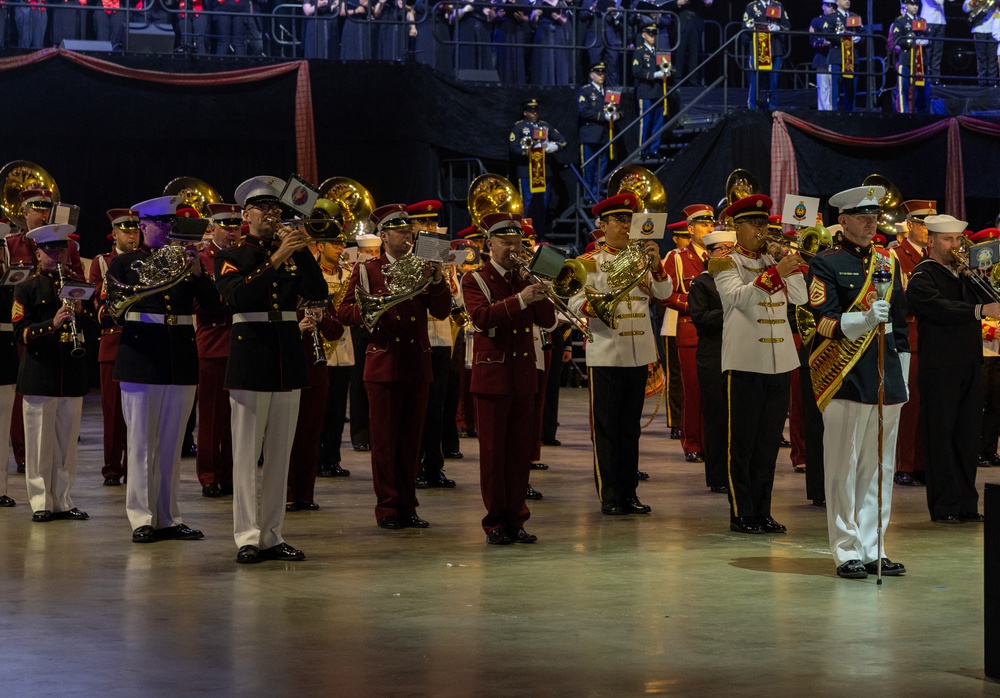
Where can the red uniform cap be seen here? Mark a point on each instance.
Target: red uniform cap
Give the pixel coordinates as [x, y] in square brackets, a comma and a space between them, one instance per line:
[591, 246]
[30, 196]
[619, 203]
[470, 233]
[124, 219]
[699, 212]
[502, 224]
[878, 240]
[918, 208]
[753, 206]
[424, 209]
[985, 234]
[187, 212]
[678, 225]
[527, 230]
[389, 216]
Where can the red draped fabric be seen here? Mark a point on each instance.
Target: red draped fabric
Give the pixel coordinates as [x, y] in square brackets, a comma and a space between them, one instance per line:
[305, 134]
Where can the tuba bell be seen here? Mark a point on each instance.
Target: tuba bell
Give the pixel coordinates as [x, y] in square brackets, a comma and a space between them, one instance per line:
[163, 269]
[18, 176]
[355, 204]
[891, 205]
[491, 193]
[641, 182]
[194, 192]
[740, 184]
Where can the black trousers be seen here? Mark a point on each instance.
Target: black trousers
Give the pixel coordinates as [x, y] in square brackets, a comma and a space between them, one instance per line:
[449, 428]
[359, 397]
[339, 383]
[951, 410]
[812, 420]
[758, 405]
[991, 404]
[715, 412]
[675, 390]
[550, 410]
[617, 395]
[431, 457]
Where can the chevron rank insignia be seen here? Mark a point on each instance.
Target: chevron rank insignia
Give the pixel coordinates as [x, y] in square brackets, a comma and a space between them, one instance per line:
[227, 268]
[817, 292]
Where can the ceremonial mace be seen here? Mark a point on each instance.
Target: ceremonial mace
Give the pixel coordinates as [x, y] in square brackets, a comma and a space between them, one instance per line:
[882, 280]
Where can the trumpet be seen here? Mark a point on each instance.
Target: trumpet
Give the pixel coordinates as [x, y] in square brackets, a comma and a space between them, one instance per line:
[807, 244]
[565, 286]
[78, 348]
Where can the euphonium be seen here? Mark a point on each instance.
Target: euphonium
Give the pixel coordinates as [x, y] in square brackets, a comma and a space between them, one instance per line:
[163, 269]
[625, 272]
[405, 278]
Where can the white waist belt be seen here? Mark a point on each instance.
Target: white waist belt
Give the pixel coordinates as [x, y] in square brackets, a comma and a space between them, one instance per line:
[6, 327]
[157, 319]
[269, 316]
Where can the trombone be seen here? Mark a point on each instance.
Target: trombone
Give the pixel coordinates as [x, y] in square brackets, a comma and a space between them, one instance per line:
[988, 284]
[807, 244]
[567, 283]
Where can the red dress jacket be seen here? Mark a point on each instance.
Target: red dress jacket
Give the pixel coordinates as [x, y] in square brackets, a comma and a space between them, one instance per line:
[213, 326]
[909, 256]
[683, 266]
[399, 350]
[503, 349]
[110, 336]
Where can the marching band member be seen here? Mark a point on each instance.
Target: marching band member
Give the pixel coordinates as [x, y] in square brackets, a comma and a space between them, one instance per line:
[503, 308]
[339, 360]
[214, 460]
[617, 359]
[705, 307]
[262, 280]
[397, 370]
[424, 216]
[369, 247]
[991, 376]
[909, 252]
[466, 410]
[949, 308]
[909, 45]
[685, 264]
[125, 235]
[157, 372]
[535, 177]
[757, 356]
[9, 362]
[848, 311]
[51, 378]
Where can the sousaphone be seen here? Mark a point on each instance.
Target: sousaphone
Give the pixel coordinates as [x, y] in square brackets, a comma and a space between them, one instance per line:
[353, 202]
[641, 182]
[491, 193]
[891, 205]
[18, 176]
[194, 192]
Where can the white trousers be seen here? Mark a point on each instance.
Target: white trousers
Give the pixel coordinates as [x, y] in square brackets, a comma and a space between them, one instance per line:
[850, 460]
[6, 410]
[51, 428]
[258, 419]
[824, 90]
[155, 416]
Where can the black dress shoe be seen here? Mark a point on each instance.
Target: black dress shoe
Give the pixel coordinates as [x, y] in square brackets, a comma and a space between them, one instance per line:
[632, 505]
[20, 467]
[391, 523]
[889, 568]
[73, 514]
[324, 470]
[784, 443]
[227, 490]
[439, 480]
[720, 489]
[179, 532]
[694, 457]
[903, 479]
[6, 501]
[948, 519]
[337, 471]
[675, 433]
[612, 509]
[413, 521]
[308, 506]
[291, 506]
[539, 466]
[113, 481]
[42, 516]
[454, 455]
[532, 493]
[993, 458]
[189, 450]
[471, 432]
[642, 474]
[551, 442]
[852, 569]
[421, 482]
[522, 536]
[212, 491]
[769, 525]
[144, 534]
[982, 461]
[361, 447]
[745, 524]
[799, 468]
[970, 516]
[283, 552]
[498, 536]
[247, 555]
[819, 503]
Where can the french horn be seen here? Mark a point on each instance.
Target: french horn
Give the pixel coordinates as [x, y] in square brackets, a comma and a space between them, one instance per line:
[163, 269]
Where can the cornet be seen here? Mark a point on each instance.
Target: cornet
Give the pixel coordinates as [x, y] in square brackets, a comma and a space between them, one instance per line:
[78, 348]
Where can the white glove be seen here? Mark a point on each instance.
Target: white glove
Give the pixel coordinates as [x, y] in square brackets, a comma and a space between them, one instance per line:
[551, 147]
[616, 116]
[922, 42]
[773, 27]
[658, 75]
[877, 314]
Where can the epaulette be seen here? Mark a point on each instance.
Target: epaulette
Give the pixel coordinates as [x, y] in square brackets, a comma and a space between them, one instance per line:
[588, 262]
[720, 264]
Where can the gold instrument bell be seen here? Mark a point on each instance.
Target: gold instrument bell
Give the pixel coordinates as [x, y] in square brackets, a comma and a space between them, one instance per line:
[491, 193]
[637, 180]
[740, 184]
[18, 176]
[354, 202]
[891, 205]
[194, 192]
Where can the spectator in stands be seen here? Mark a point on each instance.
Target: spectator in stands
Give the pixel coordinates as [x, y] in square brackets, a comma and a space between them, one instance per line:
[691, 31]
[32, 20]
[231, 29]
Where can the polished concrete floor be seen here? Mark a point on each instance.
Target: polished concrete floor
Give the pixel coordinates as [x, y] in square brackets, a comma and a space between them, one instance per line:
[669, 604]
